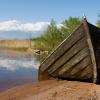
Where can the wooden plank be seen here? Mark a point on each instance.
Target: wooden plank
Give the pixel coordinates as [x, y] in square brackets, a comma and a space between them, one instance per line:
[64, 46]
[78, 76]
[88, 76]
[76, 59]
[88, 70]
[70, 53]
[80, 66]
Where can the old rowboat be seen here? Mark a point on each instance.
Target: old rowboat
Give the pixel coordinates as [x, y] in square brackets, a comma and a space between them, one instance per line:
[76, 58]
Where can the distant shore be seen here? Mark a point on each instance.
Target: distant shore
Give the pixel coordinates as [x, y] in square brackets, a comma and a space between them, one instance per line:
[28, 52]
[16, 53]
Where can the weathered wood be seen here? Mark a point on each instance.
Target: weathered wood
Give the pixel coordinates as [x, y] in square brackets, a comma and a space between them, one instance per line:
[83, 53]
[71, 40]
[88, 76]
[85, 24]
[78, 76]
[73, 63]
[86, 72]
[81, 44]
[80, 66]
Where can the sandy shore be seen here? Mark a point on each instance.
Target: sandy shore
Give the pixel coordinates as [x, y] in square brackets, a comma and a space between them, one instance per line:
[54, 90]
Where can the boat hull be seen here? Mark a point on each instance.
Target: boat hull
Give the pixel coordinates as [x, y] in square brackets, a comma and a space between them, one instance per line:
[74, 59]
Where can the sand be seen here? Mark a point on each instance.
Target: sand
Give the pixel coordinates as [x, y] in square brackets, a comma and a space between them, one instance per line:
[53, 90]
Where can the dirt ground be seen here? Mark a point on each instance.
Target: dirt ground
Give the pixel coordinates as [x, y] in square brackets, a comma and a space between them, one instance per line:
[53, 90]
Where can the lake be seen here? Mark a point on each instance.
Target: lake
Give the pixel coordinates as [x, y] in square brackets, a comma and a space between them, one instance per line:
[18, 70]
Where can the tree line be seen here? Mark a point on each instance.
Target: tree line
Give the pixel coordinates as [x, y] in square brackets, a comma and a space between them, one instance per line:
[54, 35]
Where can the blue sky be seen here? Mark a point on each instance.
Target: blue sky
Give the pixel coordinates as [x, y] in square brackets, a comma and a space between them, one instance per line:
[45, 10]
[35, 11]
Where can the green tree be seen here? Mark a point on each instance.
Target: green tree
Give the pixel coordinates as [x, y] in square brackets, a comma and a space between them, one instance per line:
[38, 43]
[70, 25]
[51, 38]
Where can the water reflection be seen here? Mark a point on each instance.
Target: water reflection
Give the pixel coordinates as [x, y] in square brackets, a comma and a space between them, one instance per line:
[17, 70]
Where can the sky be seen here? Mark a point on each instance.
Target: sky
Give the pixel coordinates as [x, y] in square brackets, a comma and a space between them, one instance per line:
[33, 16]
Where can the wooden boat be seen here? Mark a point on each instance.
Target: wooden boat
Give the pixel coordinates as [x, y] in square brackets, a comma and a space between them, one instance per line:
[76, 58]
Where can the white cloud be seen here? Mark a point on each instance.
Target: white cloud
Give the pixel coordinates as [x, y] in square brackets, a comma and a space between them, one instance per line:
[13, 25]
[16, 64]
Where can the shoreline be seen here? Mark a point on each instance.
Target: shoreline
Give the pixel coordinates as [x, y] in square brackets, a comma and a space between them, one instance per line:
[29, 52]
[16, 53]
[53, 90]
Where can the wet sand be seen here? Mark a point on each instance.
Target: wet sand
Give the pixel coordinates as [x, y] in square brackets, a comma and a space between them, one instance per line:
[53, 90]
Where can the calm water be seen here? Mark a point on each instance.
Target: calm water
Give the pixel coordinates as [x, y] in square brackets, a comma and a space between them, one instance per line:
[17, 70]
